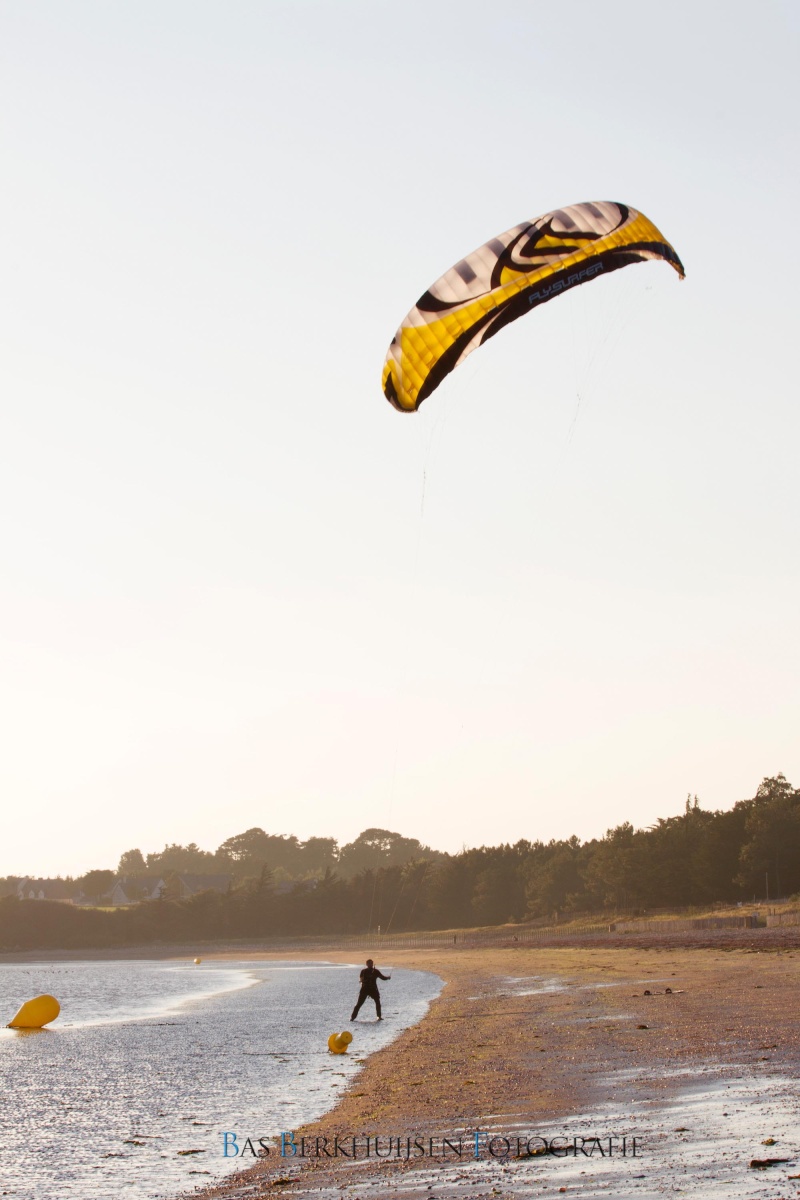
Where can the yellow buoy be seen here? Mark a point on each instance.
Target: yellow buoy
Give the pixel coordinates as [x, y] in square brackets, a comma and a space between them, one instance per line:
[198, 961]
[338, 1042]
[35, 1013]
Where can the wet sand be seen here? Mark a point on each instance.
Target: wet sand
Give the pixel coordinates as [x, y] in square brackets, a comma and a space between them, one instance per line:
[565, 1042]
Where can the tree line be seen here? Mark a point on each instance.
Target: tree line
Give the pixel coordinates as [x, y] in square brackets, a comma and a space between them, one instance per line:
[288, 859]
[245, 856]
[751, 851]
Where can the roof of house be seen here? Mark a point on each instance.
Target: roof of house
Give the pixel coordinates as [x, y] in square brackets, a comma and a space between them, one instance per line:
[204, 883]
[137, 887]
[50, 889]
[148, 881]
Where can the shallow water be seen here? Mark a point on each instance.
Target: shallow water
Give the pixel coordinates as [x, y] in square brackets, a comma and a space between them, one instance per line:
[697, 1141]
[541, 985]
[149, 1059]
[533, 985]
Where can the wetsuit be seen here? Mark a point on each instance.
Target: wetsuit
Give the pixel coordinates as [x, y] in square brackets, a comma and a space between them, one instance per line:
[369, 988]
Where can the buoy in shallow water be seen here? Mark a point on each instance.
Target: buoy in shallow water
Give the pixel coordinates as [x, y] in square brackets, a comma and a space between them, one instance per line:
[197, 961]
[35, 1013]
[338, 1042]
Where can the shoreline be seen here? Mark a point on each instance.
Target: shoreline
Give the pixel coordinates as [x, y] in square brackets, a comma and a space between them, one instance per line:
[773, 939]
[687, 1045]
[529, 1039]
[776, 937]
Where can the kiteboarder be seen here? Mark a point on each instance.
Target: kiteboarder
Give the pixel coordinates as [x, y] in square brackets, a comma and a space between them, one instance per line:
[369, 987]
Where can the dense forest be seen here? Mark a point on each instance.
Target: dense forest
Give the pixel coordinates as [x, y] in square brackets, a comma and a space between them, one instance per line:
[384, 880]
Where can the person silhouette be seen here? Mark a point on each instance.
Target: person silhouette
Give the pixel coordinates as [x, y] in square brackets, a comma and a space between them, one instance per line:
[369, 988]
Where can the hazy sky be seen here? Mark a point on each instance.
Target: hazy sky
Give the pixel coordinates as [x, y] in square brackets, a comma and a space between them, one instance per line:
[238, 588]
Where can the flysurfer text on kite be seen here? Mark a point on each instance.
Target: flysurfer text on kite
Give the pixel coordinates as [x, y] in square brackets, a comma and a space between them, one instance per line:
[561, 285]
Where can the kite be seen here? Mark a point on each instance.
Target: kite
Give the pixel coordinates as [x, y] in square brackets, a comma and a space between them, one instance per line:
[507, 277]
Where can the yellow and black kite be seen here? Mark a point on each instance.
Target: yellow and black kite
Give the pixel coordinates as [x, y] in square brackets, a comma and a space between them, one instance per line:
[507, 277]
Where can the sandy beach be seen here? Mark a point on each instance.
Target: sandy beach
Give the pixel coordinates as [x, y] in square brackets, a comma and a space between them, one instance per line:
[578, 1043]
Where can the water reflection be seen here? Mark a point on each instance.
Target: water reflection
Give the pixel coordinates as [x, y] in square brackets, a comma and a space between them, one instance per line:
[133, 1087]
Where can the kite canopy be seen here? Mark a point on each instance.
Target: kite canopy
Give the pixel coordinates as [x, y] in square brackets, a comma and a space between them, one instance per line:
[506, 278]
